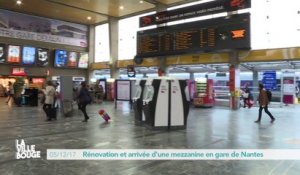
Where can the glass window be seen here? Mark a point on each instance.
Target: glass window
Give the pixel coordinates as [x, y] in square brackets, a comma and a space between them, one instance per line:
[127, 36]
[102, 49]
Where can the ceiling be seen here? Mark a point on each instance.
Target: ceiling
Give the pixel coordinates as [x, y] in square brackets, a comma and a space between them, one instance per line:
[78, 10]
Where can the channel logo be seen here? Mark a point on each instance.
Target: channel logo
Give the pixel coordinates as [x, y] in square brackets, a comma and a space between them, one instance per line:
[26, 151]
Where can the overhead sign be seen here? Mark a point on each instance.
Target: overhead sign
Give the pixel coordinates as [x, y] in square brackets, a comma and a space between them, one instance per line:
[194, 11]
[131, 71]
[218, 34]
[269, 80]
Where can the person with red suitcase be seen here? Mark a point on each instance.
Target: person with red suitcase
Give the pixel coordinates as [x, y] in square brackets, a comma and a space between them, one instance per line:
[247, 97]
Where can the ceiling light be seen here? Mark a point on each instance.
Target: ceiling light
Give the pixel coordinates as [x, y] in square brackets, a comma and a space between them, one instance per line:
[141, 2]
[18, 2]
[88, 18]
[121, 7]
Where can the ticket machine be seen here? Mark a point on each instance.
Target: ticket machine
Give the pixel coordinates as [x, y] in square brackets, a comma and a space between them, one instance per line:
[166, 102]
[179, 102]
[138, 101]
[151, 104]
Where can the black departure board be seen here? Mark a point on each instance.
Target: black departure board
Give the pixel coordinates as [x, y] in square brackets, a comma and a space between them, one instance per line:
[218, 34]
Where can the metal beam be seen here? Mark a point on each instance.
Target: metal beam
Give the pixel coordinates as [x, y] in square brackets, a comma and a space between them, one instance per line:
[247, 67]
[154, 2]
[292, 65]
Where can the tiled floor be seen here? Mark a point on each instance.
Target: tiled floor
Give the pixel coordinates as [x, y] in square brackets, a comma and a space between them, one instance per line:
[215, 128]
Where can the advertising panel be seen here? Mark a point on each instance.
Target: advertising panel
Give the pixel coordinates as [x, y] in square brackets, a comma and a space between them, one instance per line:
[2, 53]
[14, 54]
[123, 90]
[72, 59]
[29, 55]
[42, 57]
[83, 60]
[61, 58]
[29, 27]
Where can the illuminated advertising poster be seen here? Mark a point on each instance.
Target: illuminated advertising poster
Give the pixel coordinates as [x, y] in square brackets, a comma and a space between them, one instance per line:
[14, 53]
[42, 57]
[72, 59]
[61, 58]
[83, 60]
[2, 53]
[29, 54]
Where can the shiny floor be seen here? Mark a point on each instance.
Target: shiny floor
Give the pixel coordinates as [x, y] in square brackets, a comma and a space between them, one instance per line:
[215, 128]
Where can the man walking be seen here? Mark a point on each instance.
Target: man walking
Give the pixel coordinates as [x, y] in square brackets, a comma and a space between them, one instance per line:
[263, 104]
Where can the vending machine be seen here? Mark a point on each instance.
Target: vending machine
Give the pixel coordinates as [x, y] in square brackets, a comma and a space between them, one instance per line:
[138, 101]
[166, 103]
[204, 95]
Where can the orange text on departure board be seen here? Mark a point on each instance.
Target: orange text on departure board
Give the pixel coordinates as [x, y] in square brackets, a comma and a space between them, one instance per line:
[237, 3]
[238, 33]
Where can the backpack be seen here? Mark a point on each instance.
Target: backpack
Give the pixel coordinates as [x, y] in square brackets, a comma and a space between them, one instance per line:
[269, 95]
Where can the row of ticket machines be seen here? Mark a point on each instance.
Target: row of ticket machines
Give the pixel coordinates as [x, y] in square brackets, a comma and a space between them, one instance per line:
[161, 103]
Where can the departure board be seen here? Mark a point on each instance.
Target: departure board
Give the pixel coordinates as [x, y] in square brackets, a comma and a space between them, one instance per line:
[218, 34]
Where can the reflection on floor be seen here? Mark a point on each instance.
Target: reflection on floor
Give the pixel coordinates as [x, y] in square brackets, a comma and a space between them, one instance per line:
[216, 128]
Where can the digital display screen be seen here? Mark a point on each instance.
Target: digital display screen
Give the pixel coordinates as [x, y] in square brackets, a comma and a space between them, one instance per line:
[72, 59]
[61, 58]
[197, 10]
[14, 54]
[2, 53]
[83, 60]
[29, 55]
[218, 34]
[42, 57]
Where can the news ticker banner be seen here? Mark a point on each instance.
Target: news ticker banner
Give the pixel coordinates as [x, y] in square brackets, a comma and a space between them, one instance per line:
[173, 154]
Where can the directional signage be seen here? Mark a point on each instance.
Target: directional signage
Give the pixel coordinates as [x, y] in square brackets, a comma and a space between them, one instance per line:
[269, 80]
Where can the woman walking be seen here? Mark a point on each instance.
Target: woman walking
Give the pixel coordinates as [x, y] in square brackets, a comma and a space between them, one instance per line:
[84, 99]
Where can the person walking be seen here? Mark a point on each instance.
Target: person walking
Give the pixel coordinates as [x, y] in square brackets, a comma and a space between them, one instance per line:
[84, 99]
[49, 101]
[263, 104]
[10, 92]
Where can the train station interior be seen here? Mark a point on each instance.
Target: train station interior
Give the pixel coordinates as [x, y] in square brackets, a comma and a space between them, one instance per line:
[154, 75]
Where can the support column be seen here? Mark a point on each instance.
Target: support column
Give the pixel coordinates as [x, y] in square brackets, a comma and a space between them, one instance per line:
[234, 81]
[162, 67]
[255, 84]
[91, 52]
[192, 76]
[114, 46]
